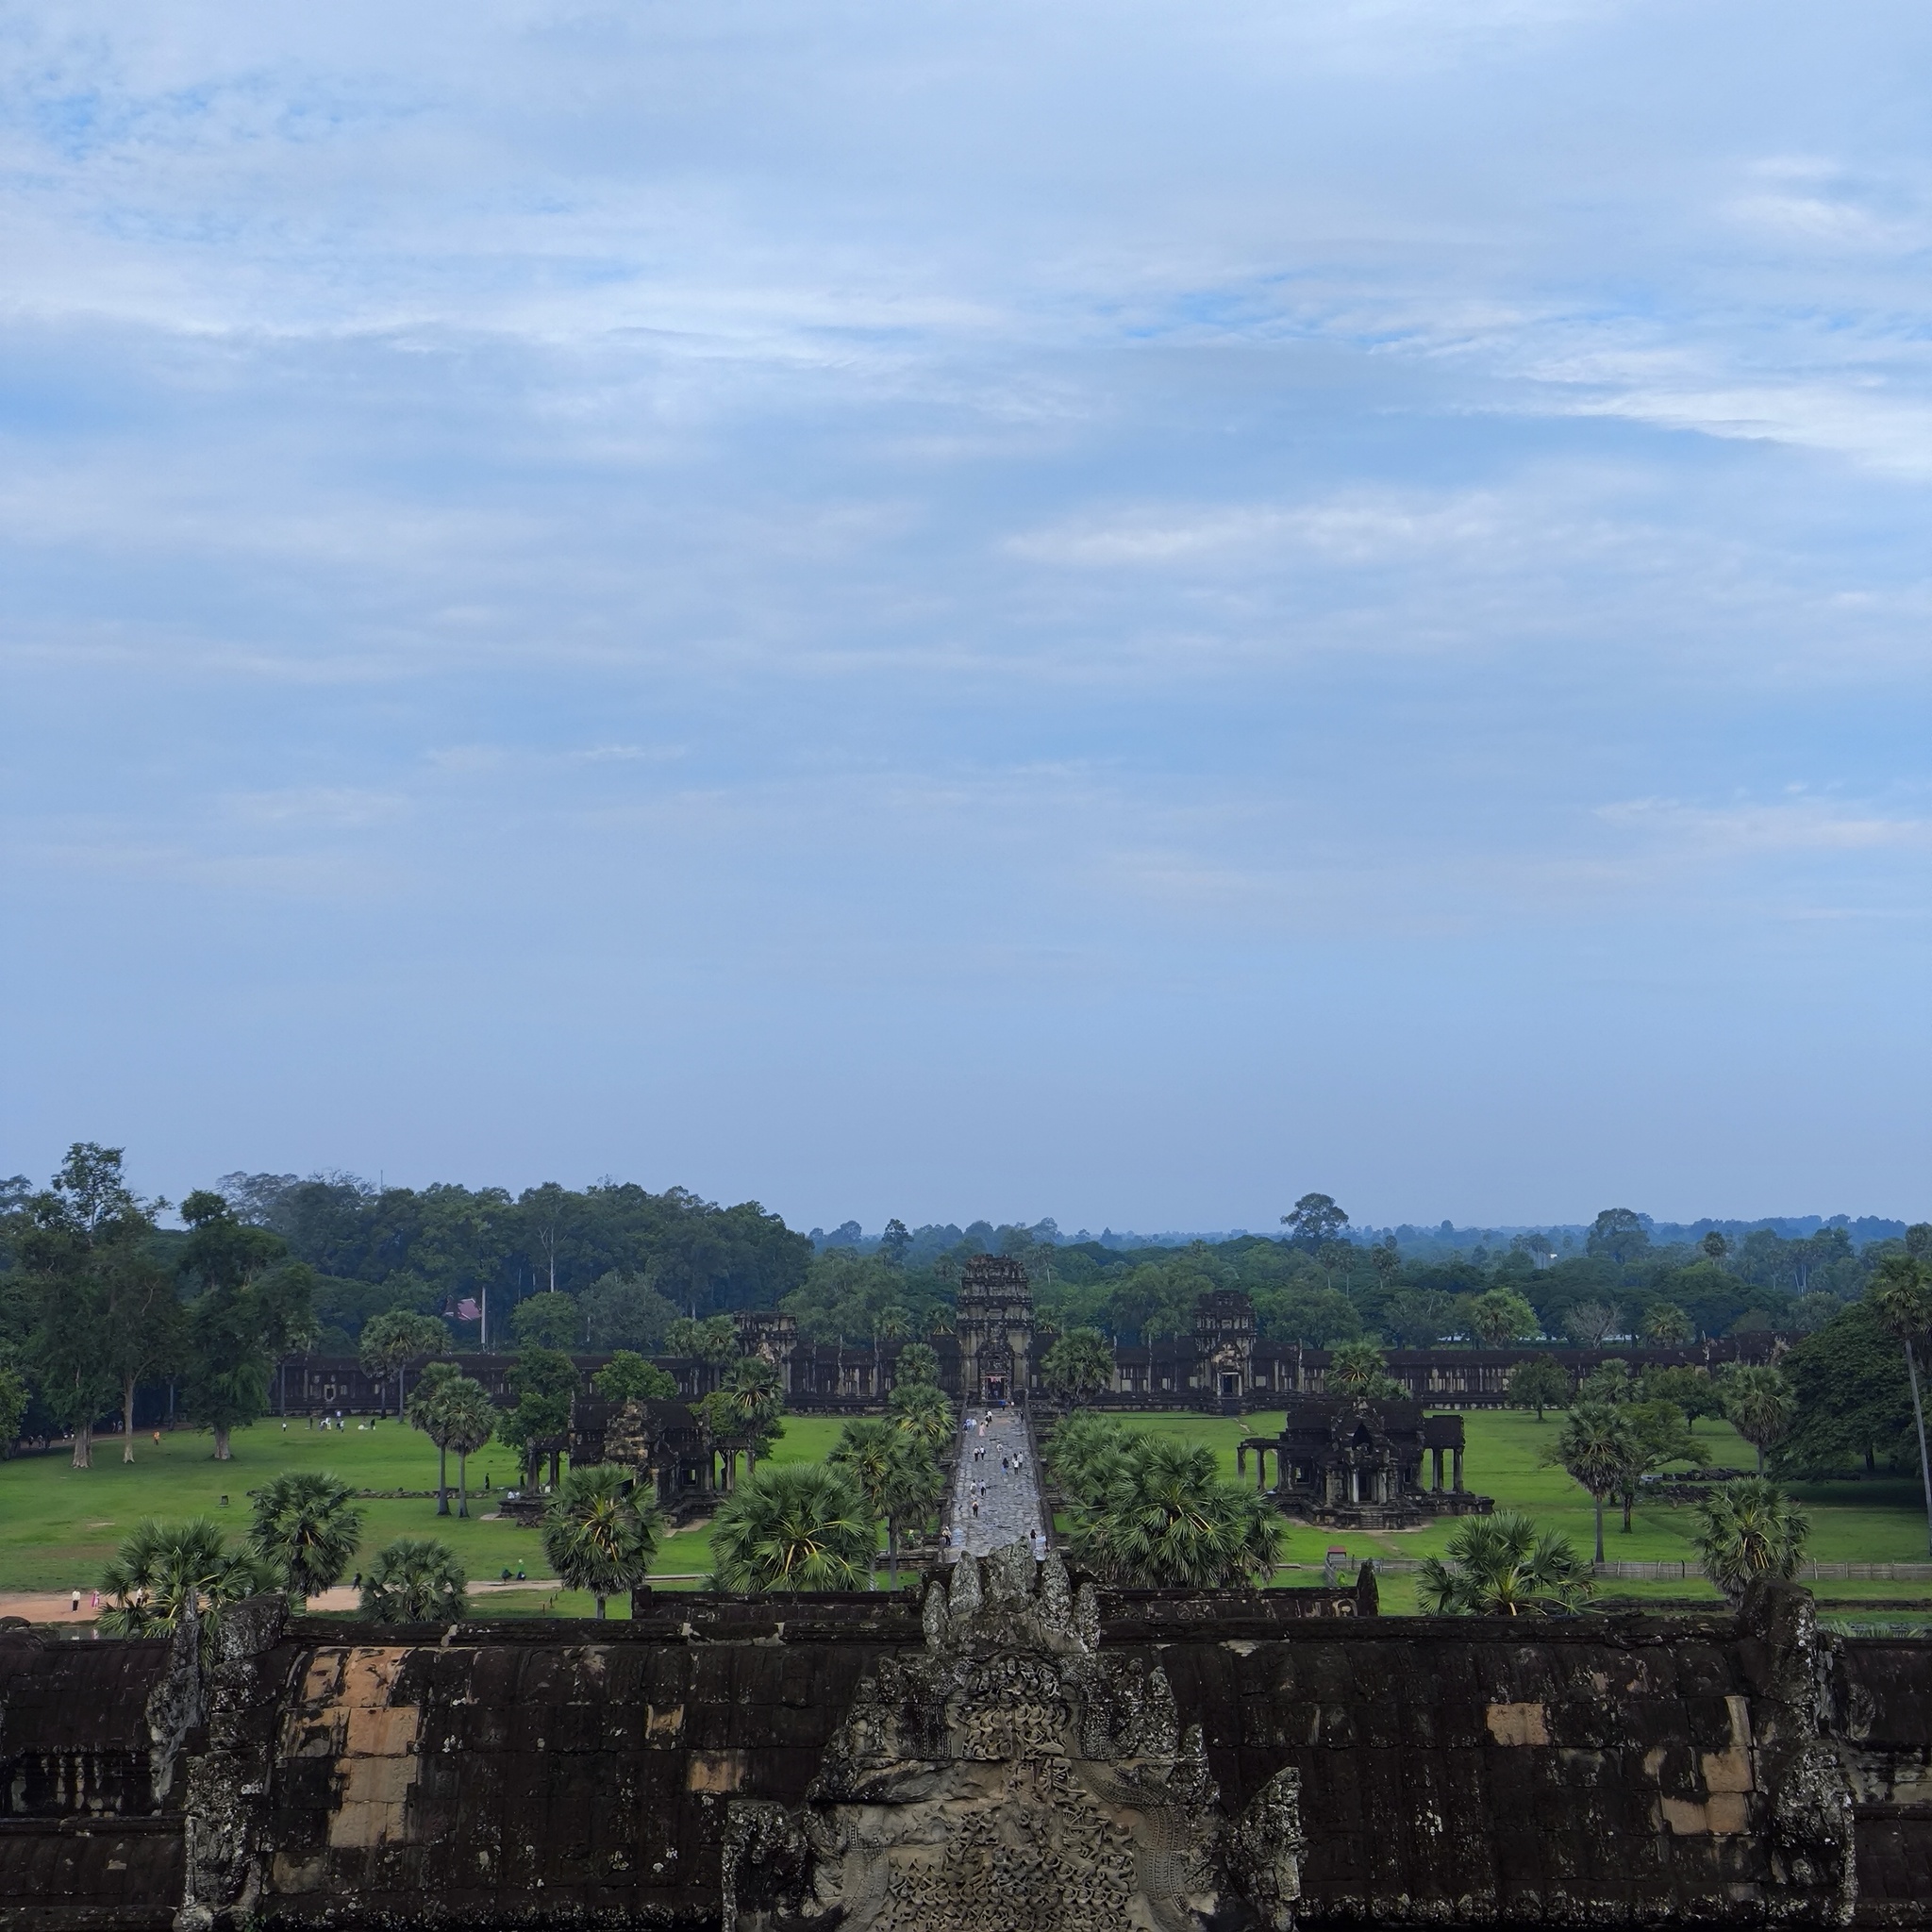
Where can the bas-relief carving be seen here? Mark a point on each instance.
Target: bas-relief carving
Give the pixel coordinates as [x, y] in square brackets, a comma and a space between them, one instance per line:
[1011, 1779]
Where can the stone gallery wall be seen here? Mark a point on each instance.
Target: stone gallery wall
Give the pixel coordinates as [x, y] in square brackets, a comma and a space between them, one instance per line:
[1017, 1750]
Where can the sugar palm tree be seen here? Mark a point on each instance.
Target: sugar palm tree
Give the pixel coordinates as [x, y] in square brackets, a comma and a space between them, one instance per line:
[416, 1579]
[1499, 1566]
[1166, 1520]
[1666, 1323]
[753, 1385]
[915, 1362]
[867, 1453]
[892, 1323]
[465, 1419]
[923, 1411]
[1760, 1404]
[1597, 1447]
[913, 1493]
[1902, 1299]
[596, 1535]
[1360, 1368]
[308, 1526]
[1080, 1363]
[1747, 1529]
[1085, 1453]
[422, 1414]
[793, 1526]
[165, 1571]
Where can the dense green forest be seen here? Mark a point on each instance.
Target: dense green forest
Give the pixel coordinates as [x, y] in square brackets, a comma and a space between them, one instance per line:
[98, 1301]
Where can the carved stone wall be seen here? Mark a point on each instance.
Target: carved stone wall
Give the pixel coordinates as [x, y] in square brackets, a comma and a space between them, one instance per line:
[1011, 1778]
[1012, 1752]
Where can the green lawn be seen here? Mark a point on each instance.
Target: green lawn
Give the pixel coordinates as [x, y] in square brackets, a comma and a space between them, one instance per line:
[60, 1525]
[1876, 1522]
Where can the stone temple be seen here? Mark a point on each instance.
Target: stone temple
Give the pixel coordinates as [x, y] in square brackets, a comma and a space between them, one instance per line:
[1012, 1748]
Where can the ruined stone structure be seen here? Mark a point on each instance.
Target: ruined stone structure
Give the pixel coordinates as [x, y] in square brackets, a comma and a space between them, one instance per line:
[1224, 1364]
[993, 1331]
[1358, 1464]
[1015, 1750]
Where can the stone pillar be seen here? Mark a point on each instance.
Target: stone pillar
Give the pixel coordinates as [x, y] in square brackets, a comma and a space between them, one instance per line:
[1457, 1454]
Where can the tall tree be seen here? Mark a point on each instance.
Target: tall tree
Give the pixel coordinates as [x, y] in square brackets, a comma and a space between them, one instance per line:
[82, 1243]
[628, 1377]
[1079, 1364]
[415, 1579]
[1540, 1383]
[235, 1331]
[143, 1326]
[1619, 1235]
[867, 1453]
[544, 1383]
[1902, 1298]
[922, 1410]
[394, 1339]
[421, 1413]
[1500, 1317]
[1166, 1520]
[1597, 1447]
[1313, 1220]
[1500, 1566]
[307, 1525]
[548, 1321]
[166, 1571]
[468, 1420]
[1747, 1529]
[597, 1536]
[1759, 1404]
[793, 1526]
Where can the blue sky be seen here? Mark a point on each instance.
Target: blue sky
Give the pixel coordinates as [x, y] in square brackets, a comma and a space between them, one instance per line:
[1115, 610]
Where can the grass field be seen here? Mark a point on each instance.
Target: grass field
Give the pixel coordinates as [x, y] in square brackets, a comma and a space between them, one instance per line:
[59, 1525]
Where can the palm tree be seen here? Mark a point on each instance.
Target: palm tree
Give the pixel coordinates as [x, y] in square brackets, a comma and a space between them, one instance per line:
[793, 1526]
[1360, 1368]
[753, 1385]
[1759, 1404]
[939, 1319]
[1085, 1453]
[416, 1579]
[1596, 1447]
[916, 1362]
[910, 1497]
[868, 1454]
[892, 1323]
[1079, 1363]
[922, 1410]
[596, 1537]
[165, 1570]
[391, 1340]
[307, 1525]
[1667, 1323]
[1167, 1520]
[422, 1414]
[1747, 1529]
[1500, 1567]
[1902, 1299]
[467, 1419]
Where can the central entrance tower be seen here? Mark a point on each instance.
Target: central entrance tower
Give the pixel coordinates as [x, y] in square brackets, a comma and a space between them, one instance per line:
[995, 1325]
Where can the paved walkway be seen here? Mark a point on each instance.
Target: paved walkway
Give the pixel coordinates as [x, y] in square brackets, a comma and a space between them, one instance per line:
[1008, 1498]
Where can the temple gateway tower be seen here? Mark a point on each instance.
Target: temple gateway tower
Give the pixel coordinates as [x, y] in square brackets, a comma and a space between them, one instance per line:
[994, 1326]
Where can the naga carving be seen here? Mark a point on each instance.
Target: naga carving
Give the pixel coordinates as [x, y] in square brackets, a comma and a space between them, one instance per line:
[1012, 1779]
